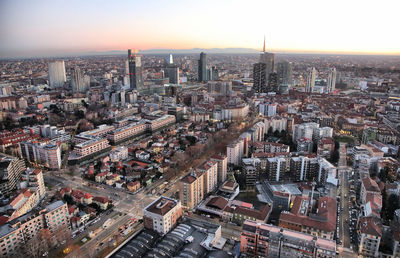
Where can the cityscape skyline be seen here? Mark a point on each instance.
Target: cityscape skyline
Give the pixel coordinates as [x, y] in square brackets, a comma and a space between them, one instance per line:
[38, 29]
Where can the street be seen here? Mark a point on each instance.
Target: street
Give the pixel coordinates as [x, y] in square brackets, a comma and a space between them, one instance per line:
[343, 214]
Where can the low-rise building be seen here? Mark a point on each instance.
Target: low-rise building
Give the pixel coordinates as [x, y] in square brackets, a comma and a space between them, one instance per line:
[262, 240]
[319, 221]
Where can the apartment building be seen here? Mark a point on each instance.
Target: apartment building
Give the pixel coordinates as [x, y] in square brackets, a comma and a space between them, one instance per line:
[119, 154]
[11, 169]
[276, 168]
[304, 168]
[160, 122]
[305, 130]
[22, 203]
[322, 132]
[369, 237]
[162, 214]
[19, 231]
[210, 171]
[238, 111]
[276, 124]
[263, 240]
[222, 162]
[47, 154]
[368, 188]
[275, 147]
[33, 179]
[326, 147]
[127, 132]
[91, 147]
[191, 190]
[235, 152]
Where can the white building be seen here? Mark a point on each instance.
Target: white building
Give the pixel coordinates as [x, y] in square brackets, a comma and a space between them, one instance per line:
[162, 214]
[119, 154]
[222, 162]
[331, 80]
[311, 76]
[276, 123]
[49, 155]
[305, 130]
[322, 132]
[370, 234]
[235, 151]
[57, 75]
[267, 109]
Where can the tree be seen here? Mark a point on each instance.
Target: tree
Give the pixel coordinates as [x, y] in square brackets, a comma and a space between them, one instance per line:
[37, 245]
[393, 204]
[191, 139]
[270, 131]
[383, 174]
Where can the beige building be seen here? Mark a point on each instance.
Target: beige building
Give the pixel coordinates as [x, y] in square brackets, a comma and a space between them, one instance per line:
[210, 171]
[160, 122]
[191, 190]
[235, 151]
[16, 233]
[222, 162]
[126, 132]
[90, 147]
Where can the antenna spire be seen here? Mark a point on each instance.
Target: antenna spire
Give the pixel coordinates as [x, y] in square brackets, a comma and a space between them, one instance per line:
[264, 44]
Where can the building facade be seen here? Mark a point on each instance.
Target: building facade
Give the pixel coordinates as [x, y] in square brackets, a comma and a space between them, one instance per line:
[162, 214]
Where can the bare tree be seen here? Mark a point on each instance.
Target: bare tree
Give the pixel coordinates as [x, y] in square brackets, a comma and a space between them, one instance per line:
[37, 245]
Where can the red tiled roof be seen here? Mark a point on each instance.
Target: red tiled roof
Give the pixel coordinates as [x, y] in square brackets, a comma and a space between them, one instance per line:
[261, 214]
[3, 220]
[370, 185]
[188, 179]
[217, 202]
[101, 199]
[371, 226]
[325, 219]
[161, 206]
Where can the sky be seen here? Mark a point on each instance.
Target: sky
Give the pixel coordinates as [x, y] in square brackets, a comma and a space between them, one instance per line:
[57, 27]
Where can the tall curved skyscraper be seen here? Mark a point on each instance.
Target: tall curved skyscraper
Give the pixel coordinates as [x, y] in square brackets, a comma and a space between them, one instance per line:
[57, 76]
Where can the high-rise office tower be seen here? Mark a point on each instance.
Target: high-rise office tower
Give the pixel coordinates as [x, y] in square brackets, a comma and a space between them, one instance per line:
[57, 75]
[311, 75]
[202, 71]
[173, 74]
[214, 73]
[330, 87]
[259, 78]
[78, 83]
[260, 84]
[273, 85]
[172, 71]
[170, 60]
[285, 76]
[135, 71]
[126, 67]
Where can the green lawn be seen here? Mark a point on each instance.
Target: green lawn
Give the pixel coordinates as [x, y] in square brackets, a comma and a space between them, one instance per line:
[346, 139]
